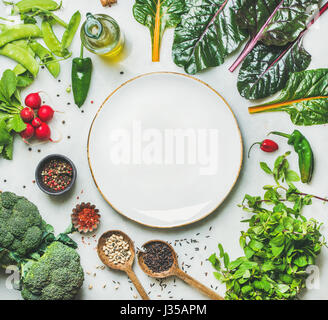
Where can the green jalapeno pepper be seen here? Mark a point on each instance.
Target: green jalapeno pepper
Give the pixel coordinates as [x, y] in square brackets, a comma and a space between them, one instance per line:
[81, 78]
[305, 154]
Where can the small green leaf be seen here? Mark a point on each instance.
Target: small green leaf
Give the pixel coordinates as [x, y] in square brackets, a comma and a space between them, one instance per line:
[265, 168]
[292, 176]
[256, 245]
[301, 261]
[221, 250]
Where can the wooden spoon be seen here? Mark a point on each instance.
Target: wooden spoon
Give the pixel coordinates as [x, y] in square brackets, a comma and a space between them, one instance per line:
[127, 267]
[175, 271]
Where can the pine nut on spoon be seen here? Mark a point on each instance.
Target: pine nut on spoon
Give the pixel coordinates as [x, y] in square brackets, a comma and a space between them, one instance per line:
[172, 268]
[124, 262]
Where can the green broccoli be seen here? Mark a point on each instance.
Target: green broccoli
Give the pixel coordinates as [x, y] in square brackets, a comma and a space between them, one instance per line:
[21, 227]
[56, 275]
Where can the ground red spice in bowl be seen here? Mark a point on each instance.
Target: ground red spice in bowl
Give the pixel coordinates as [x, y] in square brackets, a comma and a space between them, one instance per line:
[85, 217]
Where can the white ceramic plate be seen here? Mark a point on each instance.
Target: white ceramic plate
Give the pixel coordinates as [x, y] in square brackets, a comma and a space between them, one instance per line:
[165, 149]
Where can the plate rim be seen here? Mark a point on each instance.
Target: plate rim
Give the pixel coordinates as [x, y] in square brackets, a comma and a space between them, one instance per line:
[176, 74]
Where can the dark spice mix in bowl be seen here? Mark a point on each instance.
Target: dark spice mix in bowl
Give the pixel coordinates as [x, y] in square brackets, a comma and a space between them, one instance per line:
[57, 174]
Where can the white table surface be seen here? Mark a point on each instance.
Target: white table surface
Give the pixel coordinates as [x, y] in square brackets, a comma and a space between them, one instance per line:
[225, 222]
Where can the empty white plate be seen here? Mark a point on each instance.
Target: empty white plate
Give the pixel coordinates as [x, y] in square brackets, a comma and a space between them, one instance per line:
[165, 149]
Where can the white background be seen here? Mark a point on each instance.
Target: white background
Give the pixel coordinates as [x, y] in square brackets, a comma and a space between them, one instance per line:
[225, 221]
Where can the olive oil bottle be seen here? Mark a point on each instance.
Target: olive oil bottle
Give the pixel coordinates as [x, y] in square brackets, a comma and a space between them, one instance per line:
[101, 35]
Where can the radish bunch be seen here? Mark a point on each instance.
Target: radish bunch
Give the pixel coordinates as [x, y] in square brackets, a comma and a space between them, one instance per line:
[36, 117]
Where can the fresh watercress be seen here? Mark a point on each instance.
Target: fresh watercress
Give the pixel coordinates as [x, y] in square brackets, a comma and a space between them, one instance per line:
[207, 34]
[279, 244]
[157, 15]
[10, 107]
[305, 98]
[273, 22]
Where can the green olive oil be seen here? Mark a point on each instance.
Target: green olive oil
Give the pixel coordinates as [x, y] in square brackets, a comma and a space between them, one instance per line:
[101, 35]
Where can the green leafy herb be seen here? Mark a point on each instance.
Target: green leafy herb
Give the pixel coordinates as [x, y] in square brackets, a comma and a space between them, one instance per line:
[279, 244]
[305, 98]
[157, 15]
[207, 34]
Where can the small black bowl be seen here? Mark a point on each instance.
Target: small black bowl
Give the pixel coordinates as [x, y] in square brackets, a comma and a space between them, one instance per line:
[40, 167]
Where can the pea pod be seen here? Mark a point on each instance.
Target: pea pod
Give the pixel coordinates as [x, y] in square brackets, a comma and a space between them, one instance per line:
[305, 154]
[48, 15]
[19, 69]
[25, 6]
[25, 45]
[70, 32]
[46, 56]
[22, 56]
[51, 40]
[19, 31]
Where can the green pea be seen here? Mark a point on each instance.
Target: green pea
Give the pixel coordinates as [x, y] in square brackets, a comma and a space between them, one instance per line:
[22, 56]
[25, 6]
[19, 31]
[70, 32]
[46, 56]
[51, 40]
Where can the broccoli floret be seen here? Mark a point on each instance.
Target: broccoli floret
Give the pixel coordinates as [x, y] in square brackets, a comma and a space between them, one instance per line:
[21, 225]
[57, 275]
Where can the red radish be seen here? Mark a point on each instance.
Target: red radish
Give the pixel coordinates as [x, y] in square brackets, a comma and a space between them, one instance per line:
[33, 100]
[27, 114]
[28, 133]
[43, 132]
[36, 123]
[46, 113]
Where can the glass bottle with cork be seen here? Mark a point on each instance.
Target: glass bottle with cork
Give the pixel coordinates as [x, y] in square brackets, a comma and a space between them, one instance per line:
[101, 35]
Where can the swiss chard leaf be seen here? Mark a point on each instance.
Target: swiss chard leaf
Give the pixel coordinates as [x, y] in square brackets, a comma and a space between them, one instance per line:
[207, 34]
[273, 22]
[276, 22]
[267, 69]
[157, 15]
[305, 98]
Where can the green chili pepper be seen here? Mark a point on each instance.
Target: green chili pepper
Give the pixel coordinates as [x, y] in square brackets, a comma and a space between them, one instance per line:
[81, 78]
[305, 154]
[72, 27]
[46, 57]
